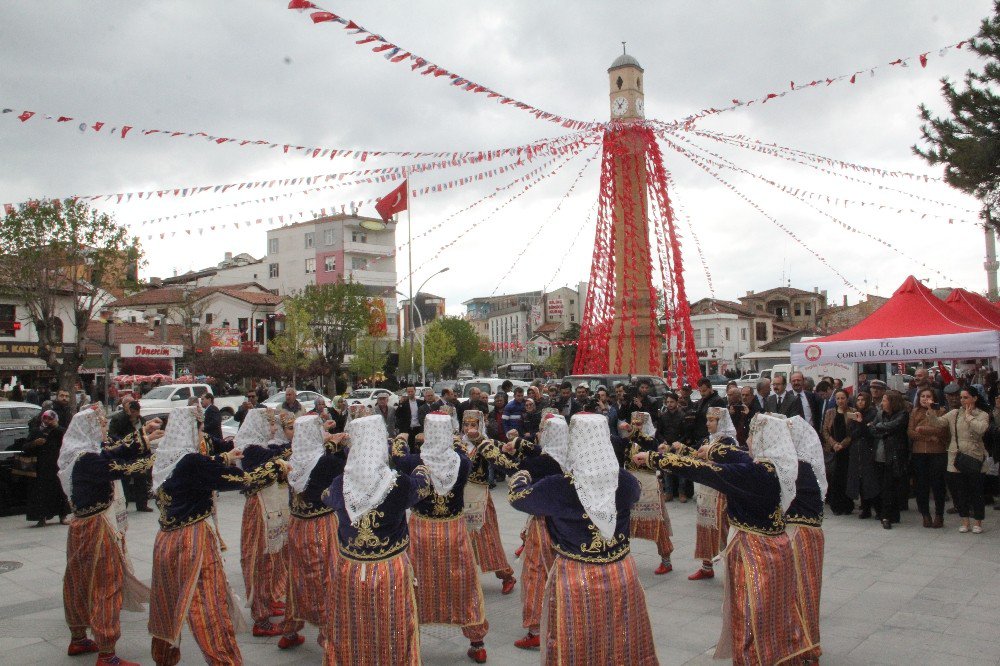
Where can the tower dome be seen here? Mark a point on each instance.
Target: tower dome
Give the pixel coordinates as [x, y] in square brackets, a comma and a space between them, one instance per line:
[625, 60]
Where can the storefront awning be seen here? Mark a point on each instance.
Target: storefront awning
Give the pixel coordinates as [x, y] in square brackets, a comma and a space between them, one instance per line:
[22, 364]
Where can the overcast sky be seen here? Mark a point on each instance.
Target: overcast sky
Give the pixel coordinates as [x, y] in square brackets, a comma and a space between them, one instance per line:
[258, 70]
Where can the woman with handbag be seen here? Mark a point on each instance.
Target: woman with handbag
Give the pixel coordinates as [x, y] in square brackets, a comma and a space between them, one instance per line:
[966, 454]
[929, 444]
[891, 455]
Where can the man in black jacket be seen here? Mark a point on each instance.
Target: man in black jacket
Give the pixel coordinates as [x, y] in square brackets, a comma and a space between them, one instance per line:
[640, 402]
[782, 401]
[811, 409]
[566, 403]
[122, 424]
[671, 426]
[709, 398]
[410, 413]
[213, 421]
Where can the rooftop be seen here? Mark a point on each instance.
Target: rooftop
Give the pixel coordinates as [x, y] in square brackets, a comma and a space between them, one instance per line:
[249, 292]
[625, 60]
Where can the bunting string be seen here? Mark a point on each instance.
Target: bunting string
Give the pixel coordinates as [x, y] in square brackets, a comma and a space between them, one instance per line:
[753, 204]
[694, 236]
[823, 82]
[569, 250]
[724, 163]
[397, 55]
[545, 224]
[791, 158]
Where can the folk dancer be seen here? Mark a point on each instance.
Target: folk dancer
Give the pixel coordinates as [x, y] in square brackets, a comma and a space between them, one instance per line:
[189, 579]
[546, 458]
[262, 439]
[760, 621]
[711, 523]
[373, 614]
[650, 519]
[480, 514]
[317, 459]
[99, 578]
[587, 513]
[804, 523]
[448, 589]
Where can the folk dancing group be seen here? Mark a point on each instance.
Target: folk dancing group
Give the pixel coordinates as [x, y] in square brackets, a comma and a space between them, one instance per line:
[369, 538]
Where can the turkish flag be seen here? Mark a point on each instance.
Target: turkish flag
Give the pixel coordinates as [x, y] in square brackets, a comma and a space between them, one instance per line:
[392, 203]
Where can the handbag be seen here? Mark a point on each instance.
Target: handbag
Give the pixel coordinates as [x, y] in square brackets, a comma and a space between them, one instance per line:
[967, 464]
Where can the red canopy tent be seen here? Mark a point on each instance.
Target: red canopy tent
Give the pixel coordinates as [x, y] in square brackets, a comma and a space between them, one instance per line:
[913, 325]
[974, 307]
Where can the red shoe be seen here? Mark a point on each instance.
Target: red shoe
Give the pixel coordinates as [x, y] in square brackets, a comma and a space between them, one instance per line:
[81, 646]
[702, 574]
[277, 611]
[508, 587]
[111, 659]
[477, 654]
[288, 642]
[263, 629]
[517, 553]
[528, 642]
[663, 569]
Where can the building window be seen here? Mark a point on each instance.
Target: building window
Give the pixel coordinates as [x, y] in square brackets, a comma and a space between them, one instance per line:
[572, 302]
[697, 336]
[8, 321]
[272, 246]
[272, 270]
[761, 331]
[809, 309]
[798, 310]
[328, 237]
[330, 264]
[743, 334]
[243, 324]
[358, 236]
[310, 265]
[727, 333]
[572, 318]
[359, 264]
[709, 337]
[208, 319]
[310, 239]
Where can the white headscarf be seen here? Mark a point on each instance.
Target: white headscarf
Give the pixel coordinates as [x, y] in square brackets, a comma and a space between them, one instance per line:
[809, 449]
[307, 449]
[256, 429]
[770, 440]
[180, 439]
[726, 427]
[477, 415]
[367, 476]
[553, 436]
[85, 434]
[648, 429]
[592, 462]
[438, 452]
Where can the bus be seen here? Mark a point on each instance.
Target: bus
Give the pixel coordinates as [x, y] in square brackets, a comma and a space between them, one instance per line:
[523, 371]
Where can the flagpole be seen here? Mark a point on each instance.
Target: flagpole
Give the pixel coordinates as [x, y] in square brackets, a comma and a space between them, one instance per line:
[409, 250]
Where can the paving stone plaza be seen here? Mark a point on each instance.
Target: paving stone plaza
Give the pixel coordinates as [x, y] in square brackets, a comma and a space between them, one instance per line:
[904, 596]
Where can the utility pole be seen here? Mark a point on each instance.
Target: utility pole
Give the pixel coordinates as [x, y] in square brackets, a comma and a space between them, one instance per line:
[991, 264]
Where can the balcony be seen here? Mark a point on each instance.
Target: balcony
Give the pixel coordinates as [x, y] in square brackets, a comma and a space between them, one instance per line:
[369, 249]
[372, 278]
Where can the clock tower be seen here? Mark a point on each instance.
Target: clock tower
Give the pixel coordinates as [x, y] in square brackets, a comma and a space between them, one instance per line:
[626, 96]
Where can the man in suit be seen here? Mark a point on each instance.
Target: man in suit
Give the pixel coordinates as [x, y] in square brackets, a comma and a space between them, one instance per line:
[709, 398]
[783, 401]
[410, 414]
[213, 421]
[123, 423]
[387, 412]
[477, 400]
[810, 404]
[921, 381]
[760, 396]
[825, 400]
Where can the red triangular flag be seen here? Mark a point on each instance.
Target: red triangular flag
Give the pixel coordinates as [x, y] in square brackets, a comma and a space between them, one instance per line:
[394, 202]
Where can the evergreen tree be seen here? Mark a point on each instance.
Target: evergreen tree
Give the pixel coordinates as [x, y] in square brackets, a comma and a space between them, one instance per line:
[968, 143]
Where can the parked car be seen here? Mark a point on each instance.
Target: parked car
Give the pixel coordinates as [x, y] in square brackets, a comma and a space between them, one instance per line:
[306, 398]
[658, 388]
[749, 379]
[443, 384]
[488, 384]
[14, 417]
[168, 397]
[14, 482]
[230, 427]
[719, 383]
[367, 397]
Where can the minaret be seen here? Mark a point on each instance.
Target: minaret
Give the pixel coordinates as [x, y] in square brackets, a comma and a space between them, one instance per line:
[632, 329]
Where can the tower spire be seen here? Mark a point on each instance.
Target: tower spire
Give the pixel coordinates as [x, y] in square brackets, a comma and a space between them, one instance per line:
[623, 48]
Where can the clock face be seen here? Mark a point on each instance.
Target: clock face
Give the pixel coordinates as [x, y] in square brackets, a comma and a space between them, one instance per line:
[640, 107]
[620, 106]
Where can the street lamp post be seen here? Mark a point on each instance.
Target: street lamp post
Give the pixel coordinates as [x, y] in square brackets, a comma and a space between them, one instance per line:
[420, 317]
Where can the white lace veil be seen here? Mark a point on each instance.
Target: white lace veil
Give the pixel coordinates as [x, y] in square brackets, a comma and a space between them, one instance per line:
[180, 439]
[809, 449]
[648, 429]
[592, 462]
[726, 427]
[307, 449]
[770, 440]
[367, 476]
[477, 416]
[256, 429]
[438, 452]
[85, 434]
[553, 436]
